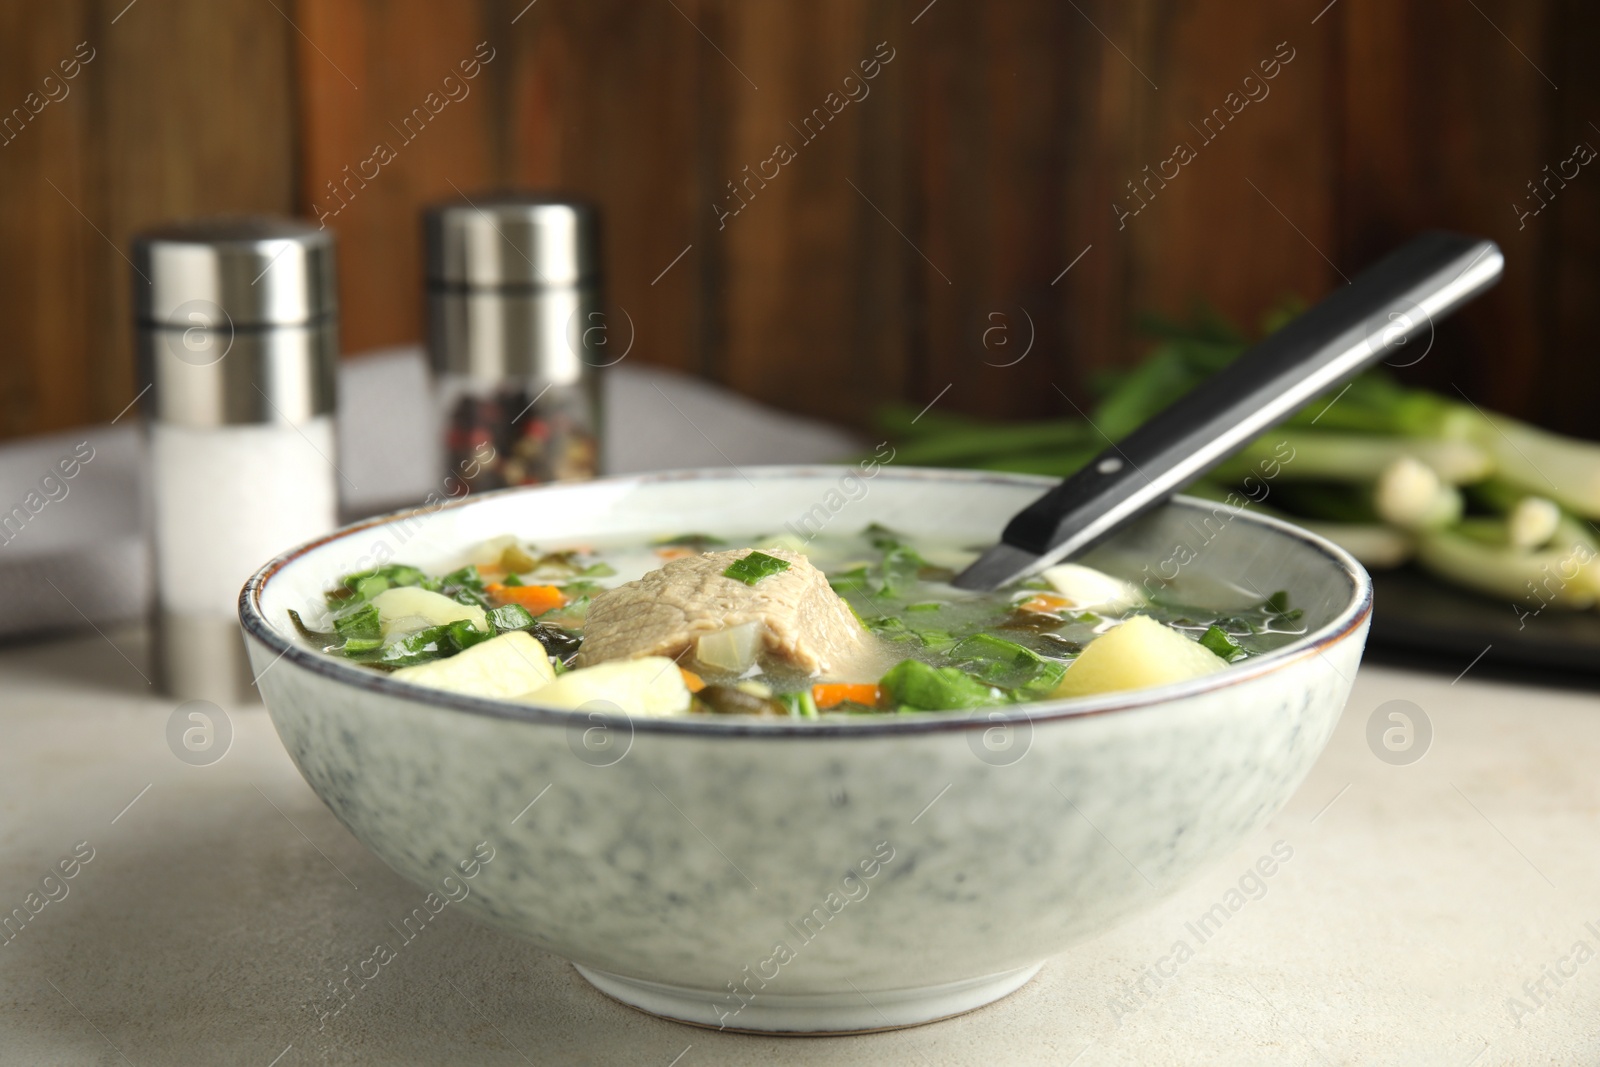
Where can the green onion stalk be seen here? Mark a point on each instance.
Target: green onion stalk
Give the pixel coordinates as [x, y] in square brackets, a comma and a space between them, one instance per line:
[1392, 473]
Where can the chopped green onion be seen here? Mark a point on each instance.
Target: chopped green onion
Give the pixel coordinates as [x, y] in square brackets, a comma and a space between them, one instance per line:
[394, 573]
[367, 588]
[882, 538]
[901, 566]
[891, 628]
[467, 577]
[419, 647]
[402, 574]
[353, 645]
[580, 588]
[318, 637]
[754, 567]
[852, 580]
[512, 581]
[463, 635]
[577, 606]
[801, 704]
[359, 622]
[697, 541]
[509, 617]
[914, 684]
[555, 564]
[1217, 640]
[1006, 663]
[1275, 607]
[560, 644]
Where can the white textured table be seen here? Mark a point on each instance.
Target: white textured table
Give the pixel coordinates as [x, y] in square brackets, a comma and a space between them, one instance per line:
[218, 907]
[222, 902]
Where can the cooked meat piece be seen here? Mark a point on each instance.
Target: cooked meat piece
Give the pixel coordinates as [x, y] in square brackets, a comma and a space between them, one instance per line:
[805, 623]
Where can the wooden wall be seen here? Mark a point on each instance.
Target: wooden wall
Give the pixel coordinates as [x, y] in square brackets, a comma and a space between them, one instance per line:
[910, 241]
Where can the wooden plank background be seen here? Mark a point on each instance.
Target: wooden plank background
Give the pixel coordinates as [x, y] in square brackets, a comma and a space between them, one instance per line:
[916, 241]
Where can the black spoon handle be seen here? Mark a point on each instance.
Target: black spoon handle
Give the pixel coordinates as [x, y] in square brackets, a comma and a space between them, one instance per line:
[1390, 307]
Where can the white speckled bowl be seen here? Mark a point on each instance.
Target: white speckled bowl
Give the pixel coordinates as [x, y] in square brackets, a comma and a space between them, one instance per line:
[795, 877]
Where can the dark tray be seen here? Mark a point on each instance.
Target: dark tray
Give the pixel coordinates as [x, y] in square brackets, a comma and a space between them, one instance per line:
[1422, 621]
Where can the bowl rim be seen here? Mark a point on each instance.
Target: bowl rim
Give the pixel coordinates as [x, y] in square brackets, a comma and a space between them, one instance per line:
[1345, 622]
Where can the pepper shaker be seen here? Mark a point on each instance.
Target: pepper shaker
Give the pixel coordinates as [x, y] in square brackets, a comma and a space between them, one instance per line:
[517, 335]
[238, 338]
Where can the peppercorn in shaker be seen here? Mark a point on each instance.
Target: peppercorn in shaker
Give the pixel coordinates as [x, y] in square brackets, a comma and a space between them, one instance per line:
[517, 335]
[238, 338]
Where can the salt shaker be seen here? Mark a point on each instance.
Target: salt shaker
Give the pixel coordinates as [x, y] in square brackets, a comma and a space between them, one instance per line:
[238, 338]
[517, 335]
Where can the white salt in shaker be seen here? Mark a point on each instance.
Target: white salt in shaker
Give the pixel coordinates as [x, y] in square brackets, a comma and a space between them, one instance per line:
[238, 336]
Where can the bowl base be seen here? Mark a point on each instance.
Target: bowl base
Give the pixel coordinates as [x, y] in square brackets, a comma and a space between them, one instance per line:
[809, 1013]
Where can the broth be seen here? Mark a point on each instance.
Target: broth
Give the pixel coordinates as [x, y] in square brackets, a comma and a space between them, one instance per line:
[964, 649]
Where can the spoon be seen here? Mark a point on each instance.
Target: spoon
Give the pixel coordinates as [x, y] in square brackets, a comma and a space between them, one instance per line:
[1390, 304]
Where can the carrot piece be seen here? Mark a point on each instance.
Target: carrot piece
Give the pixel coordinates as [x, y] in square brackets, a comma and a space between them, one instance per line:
[671, 552]
[832, 694]
[536, 598]
[1045, 603]
[692, 680]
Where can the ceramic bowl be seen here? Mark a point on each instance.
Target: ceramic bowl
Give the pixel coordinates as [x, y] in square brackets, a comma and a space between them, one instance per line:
[827, 876]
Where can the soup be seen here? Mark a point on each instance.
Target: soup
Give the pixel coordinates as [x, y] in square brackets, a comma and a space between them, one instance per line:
[713, 624]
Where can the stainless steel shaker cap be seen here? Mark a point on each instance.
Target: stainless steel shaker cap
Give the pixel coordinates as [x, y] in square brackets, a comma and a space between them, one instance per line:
[247, 271]
[237, 321]
[512, 241]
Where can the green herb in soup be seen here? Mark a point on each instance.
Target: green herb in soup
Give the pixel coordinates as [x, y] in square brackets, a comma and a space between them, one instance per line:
[754, 567]
[852, 625]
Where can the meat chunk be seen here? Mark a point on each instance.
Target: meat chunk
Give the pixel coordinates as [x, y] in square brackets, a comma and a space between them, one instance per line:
[804, 623]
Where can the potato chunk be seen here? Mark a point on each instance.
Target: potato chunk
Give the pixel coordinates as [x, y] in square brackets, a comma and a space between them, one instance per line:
[504, 666]
[426, 608]
[649, 686]
[1088, 588]
[1137, 654]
